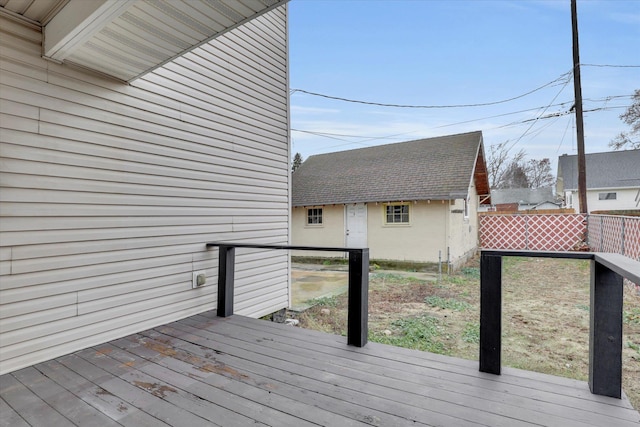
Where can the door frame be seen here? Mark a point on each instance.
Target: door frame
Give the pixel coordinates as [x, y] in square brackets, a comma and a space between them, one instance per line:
[365, 222]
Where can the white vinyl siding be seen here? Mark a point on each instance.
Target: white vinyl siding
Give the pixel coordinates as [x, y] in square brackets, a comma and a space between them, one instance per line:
[109, 192]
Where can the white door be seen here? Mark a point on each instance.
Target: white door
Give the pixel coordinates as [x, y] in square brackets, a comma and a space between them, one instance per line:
[356, 225]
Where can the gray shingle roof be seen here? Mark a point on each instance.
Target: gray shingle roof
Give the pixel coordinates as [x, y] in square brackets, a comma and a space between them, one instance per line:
[435, 168]
[614, 169]
[529, 196]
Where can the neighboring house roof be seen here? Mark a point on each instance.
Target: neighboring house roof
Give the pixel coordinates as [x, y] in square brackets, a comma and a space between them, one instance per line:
[427, 169]
[547, 203]
[614, 169]
[523, 196]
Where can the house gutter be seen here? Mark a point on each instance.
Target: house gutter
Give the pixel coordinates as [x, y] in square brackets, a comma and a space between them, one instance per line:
[289, 173]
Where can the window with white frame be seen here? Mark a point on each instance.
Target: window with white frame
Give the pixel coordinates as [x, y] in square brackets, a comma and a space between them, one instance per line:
[397, 214]
[607, 196]
[314, 216]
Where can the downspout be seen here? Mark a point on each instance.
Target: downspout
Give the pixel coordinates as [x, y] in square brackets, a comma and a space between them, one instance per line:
[446, 230]
[290, 183]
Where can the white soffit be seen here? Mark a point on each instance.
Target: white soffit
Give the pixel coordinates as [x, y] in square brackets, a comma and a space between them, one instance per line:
[128, 38]
[38, 12]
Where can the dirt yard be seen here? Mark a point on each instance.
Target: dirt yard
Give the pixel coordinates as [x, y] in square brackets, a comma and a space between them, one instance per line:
[545, 320]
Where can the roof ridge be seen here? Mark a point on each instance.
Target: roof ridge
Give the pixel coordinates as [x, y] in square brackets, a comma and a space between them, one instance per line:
[397, 143]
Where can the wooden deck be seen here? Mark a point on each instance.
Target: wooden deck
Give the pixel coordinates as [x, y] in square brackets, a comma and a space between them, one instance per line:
[237, 371]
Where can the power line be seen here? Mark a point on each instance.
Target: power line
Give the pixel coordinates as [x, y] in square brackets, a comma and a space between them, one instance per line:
[561, 78]
[328, 135]
[341, 137]
[610, 66]
[564, 113]
[543, 111]
[564, 134]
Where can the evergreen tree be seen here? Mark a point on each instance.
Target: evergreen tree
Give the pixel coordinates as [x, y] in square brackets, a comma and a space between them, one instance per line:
[297, 161]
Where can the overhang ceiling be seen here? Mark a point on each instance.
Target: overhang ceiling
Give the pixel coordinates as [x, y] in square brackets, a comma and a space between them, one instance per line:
[127, 38]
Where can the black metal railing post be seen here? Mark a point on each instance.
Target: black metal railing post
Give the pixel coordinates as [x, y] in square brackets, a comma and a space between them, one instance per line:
[226, 269]
[608, 270]
[358, 316]
[358, 313]
[605, 331]
[490, 312]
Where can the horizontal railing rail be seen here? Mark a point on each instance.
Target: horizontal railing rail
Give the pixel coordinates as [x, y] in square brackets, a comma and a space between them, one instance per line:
[358, 283]
[605, 313]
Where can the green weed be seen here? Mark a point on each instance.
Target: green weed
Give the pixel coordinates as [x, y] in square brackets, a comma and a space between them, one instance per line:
[390, 277]
[471, 333]
[471, 272]
[330, 301]
[455, 280]
[447, 303]
[420, 333]
[632, 316]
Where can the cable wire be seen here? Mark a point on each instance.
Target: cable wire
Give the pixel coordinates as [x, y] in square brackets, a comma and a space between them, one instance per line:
[564, 134]
[562, 77]
[610, 66]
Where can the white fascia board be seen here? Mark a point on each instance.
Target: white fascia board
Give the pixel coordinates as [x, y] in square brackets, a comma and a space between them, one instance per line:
[77, 22]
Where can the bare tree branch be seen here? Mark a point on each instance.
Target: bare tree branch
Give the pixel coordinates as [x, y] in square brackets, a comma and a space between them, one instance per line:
[631, 116]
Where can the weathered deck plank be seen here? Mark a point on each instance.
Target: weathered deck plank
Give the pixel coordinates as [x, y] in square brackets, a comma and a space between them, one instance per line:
[112, 406]
[78, 412]
[206, 370]
[528, 385]
[9, 417]
[409, 381]
[356, 377]
[35, 411]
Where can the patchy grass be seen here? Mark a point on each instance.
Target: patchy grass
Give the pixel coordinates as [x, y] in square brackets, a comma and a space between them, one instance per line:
[420, 333]
[447, 303]
[545, 317]
[329, 301]
[471, 333]
[632, 316]
[374, 263]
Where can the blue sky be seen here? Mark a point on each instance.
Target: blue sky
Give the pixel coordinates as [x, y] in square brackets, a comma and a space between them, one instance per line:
[459, 52]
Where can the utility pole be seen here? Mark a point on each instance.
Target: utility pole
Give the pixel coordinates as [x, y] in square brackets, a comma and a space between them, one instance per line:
[582, 169]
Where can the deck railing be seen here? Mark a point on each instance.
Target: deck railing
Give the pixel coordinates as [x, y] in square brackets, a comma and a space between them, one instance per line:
[358, 288]
[605, 326]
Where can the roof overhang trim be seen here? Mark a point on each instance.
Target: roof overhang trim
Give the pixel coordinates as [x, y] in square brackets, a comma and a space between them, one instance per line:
[126, 39]
[77, 22]
[457, 196]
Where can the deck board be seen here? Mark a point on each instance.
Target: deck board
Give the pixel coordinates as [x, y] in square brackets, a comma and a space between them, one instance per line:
[408, 382]
[211, 371]
[560, 391]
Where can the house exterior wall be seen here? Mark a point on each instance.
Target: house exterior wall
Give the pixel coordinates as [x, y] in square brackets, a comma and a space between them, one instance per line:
[419, 241]
[626, 198]
[329, 233]
[463, 234]
[110, 191]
